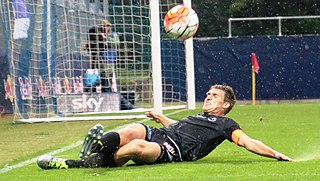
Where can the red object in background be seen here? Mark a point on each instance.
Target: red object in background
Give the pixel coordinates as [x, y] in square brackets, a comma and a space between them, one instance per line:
[255, 63]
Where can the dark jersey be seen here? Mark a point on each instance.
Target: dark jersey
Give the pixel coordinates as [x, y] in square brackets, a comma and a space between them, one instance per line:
[198, 135]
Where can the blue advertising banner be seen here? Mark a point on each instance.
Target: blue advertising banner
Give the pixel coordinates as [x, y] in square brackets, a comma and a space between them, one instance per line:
[289, 66]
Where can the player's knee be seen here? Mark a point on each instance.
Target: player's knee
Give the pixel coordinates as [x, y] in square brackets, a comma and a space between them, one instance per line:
[137, 147]
[132, 131]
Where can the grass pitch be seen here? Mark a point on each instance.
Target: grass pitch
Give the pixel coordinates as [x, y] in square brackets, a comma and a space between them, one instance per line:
[289, 128]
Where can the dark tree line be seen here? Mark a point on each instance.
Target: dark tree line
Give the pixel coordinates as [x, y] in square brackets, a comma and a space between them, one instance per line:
[214, 14]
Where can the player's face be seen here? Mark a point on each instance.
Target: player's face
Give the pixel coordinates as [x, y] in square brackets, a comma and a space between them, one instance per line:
[214, 102]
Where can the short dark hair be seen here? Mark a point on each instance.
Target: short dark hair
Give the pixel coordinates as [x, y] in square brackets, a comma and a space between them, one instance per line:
[229, 95]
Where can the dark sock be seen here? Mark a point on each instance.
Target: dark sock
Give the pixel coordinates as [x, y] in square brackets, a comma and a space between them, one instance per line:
[92, 161]
[105, 155]
[75, 163]
[96, 160]
[111, 142]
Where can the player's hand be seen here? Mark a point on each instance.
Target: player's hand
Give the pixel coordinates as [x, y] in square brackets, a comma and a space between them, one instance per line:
[152, 115]
[282, 157]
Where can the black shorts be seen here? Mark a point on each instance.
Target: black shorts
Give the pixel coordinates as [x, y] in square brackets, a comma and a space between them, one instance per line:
[170, 151]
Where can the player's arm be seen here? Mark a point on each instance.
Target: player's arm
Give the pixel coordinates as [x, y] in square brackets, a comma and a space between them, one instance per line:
[159, 118]
[255, 146]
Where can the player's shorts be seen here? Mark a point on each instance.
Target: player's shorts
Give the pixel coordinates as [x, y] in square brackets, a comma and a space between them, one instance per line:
[170, 151]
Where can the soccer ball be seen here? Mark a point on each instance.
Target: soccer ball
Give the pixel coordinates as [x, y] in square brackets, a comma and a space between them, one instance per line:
[181, 22]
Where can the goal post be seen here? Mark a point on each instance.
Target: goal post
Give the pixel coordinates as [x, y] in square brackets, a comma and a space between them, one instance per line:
[66, 65]
[191, 102]
[156, 55]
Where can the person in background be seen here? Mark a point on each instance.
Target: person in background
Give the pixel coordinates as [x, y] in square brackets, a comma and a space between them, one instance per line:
[103, 45]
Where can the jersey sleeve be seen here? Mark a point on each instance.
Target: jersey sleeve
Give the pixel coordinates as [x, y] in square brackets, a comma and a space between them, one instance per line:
[236, 135]
[229, 128]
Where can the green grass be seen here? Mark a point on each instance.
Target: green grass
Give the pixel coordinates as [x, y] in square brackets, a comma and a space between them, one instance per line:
[127, 75]
[289, 128]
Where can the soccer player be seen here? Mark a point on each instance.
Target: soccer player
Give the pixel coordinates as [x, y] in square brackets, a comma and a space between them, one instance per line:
[189, 139]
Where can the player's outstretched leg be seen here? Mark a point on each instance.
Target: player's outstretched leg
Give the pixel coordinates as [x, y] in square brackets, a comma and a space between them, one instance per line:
[92, 141]
[92, 161]
[49, 162]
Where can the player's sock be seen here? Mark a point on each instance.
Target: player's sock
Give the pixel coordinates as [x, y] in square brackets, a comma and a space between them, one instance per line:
[96, 160]
[110, 142]
[92, 161]
[75, 163]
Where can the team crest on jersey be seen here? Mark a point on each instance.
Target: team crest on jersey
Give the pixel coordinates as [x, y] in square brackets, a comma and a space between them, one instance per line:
[210, 119]
[200, 116]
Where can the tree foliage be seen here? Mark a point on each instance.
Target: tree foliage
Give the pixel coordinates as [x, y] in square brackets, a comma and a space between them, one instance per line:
[214, 15]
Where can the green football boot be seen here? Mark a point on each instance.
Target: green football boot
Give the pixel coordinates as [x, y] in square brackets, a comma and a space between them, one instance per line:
[92, 141]
[49, 162]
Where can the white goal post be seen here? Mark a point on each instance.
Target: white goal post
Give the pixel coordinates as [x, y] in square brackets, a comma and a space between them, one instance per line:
[65, 65]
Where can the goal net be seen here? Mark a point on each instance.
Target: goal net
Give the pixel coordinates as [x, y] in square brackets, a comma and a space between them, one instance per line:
[70, 59]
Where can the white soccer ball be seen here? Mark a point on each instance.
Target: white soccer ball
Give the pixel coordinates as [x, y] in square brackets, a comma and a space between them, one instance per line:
[181, 22]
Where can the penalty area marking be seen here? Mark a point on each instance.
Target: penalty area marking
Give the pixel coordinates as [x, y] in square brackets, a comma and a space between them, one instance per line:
[63, 149]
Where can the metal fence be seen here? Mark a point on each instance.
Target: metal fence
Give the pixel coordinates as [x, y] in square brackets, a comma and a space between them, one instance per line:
[278, 18]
